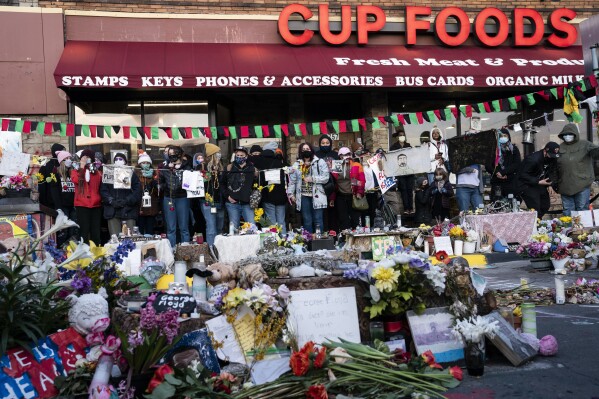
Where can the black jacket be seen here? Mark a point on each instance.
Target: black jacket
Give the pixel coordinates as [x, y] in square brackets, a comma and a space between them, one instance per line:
[237, 182]
[278, 195]
[121, 203]
[397, 146]
[535, 167]
[509, 168]
[46, 197]
[62, 193]
[170, 180]
[423, 206]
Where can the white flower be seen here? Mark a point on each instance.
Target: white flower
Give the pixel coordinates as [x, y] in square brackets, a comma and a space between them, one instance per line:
[401, 258]
[474, 329]
[255, 296]
[81, 252]
[472, 236]
[592, 252]
[436, 276]
[62, 222]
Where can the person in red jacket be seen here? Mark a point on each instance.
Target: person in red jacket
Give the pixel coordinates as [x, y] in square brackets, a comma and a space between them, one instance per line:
[88, 203]
[349, 181]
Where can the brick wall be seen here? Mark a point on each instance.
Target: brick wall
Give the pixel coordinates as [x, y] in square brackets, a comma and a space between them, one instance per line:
[37, 144]
[584, 8]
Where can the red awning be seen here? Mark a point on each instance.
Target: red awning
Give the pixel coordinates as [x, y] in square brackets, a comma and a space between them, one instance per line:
[87, 64]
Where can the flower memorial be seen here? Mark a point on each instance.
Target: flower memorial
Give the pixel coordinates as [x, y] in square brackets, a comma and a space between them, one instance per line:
[18, 182]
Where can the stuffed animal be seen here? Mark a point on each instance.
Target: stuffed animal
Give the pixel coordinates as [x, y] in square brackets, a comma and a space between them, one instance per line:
[89, 312]
[222, 279]
[578, 260]
[250, 275]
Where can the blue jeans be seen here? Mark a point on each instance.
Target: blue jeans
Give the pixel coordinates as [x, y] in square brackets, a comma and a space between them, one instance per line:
[276, 214]
[177, 218]
[235, 211]
[468, 197]
[311, 217]
[214, 221]
[577, 202]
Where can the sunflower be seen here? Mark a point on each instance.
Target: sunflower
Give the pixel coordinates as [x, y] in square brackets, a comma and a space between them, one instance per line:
[385, 277]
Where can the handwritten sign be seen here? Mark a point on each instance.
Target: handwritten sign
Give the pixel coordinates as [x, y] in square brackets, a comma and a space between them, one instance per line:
[31, 375]
[13, 162]
[223, 332]
[407, 161]
[380, 244]
[108, 174]
[273, 176]
[245, 329]
[443, 244]
[315, 315]
[385, 183]
[182, 303]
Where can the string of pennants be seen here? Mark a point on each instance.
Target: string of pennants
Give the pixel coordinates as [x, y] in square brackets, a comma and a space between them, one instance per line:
[294, 129]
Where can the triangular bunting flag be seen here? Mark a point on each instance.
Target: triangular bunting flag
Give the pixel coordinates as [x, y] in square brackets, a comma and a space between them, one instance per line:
[108, 131]
[245, 131]
[437, 113]
[303, 129]
[19, 125]
[331, 126]
[277, 129]
[383, 120]
[126, 132]
[156, 133]
[355, 125]
[214, 132]
[285, 129]
[169, 132]
[315, 128]
[92, 131]
[258, 131]
[394, 120]
[233, 132]
[116, 129]
[265, 132]
[63, 130]
[496, 105]
[70, 129]
[26, 126]
[176, 133]
[448, 114]
[530, 99]
[401, 119]
[147, 132]
[84, 130]
[513, 103]
[324, 129]
[553, 92]
[342, 126]
[362, 123]
[5, 124]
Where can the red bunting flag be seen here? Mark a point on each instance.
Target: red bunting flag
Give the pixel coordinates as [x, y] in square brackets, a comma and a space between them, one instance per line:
[92, 130]
[265, 132]
[5, 123]
[48, 128]
[169, 132]
[362, 123]
[487, 106]
[245, 132]
[226, 130]
[126, 132]
[323, 128]
[437, 113]
[188, 133]
[285, 129]
[420, 118]
[207, 132]
[342, 126]
[26, 126]
[543, 94]
[147, 132]
[70, 129]
[303, 129]
[401, 119]
[382, 120]
[455, 111]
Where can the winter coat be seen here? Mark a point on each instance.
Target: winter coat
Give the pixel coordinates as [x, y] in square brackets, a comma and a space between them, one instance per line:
[122, 203]
[509, 166]
[575, 163]
[237, 182]
[90, 197]
[423, 206]
[170, 180]
[397, 146]
[535, 167]
[61, 193]
[356, 177]
[211, 183]
[435, 147]
[445, 194]
[319, 171]
[278, 195]
[149, 184]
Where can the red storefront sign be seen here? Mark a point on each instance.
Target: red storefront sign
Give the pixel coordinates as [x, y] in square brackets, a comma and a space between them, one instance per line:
[372, 19]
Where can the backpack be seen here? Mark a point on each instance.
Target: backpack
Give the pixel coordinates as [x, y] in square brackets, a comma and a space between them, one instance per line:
[329, 186]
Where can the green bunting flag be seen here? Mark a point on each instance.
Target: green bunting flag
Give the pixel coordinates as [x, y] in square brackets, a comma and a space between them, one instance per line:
[336, 126]
[258, 131]
[431, 116]
[496, 104]
[315, 128]
[298, 131]
[530, 98]
[133, 131]
[277, 131]
[395, 119]
[156, 133]
[376, 124]
[355, 125]
[513, 103]
[42, 125]
[481, 108]
[63, 130]
[448, 114]
[108, 131]
[176, 135]
[84, 130]
[583, 86]
[553, 92]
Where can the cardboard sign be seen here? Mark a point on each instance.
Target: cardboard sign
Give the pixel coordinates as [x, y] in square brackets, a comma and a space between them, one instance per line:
[315, 315]
[432, 331]
[13, 162]
[380, 244]
[31, 375]
[108, 174]
[385, 183]
[407, 161]
[509, 342]
[182, 303]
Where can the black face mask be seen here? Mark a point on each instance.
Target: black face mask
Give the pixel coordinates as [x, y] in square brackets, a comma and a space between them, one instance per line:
[173, 158]
[307, 154]
[325, 148]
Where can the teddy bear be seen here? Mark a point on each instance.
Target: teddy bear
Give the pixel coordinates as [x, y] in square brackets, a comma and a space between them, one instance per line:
[222, 280]
[250, 275]
[578, 261]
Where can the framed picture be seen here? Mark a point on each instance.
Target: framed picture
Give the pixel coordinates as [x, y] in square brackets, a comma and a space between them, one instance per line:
[432, 331]
[509, 342]
[380, 245]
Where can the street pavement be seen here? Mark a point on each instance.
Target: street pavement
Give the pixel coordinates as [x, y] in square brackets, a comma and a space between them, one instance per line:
[572, 373]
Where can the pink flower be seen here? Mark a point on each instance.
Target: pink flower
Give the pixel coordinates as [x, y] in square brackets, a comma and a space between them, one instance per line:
[94, 338]
[284, 291]
[111, 345]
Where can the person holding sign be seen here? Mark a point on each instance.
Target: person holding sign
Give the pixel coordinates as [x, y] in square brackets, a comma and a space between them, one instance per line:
[88, 203]
[149, 187]
[121, 205]
[211, 205]
[274, 201]
[175, 205]
[306, 187]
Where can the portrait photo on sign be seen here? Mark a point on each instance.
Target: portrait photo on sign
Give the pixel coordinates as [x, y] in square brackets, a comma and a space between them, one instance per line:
[407, 161]
[432, 331]
[122, 177]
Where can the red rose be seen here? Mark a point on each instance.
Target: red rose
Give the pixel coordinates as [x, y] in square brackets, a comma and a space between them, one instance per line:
[321, 357]
[299, 363]
[159, 375]
[456, 373]
[428, 357]
[317, 392]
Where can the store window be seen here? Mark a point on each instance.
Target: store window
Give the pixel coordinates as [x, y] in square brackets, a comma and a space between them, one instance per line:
[135, 113]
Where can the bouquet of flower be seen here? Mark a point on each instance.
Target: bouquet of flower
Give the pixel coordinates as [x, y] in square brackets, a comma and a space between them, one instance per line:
[457, 233]
[260, 217]
[535, 249]
[248, 228]
[473, 329]
[443, 228]
[297, 237]
[18, 182]
[561, 252]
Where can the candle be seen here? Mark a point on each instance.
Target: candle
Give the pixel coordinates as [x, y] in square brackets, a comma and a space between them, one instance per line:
[529, 318]
[427, 249]
[180, 270]
[560, 293]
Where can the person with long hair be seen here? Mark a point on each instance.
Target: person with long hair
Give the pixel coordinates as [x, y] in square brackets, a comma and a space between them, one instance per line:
[306, 179]
[175, 205]
[211, 206]
[61, 191]
[88, 202]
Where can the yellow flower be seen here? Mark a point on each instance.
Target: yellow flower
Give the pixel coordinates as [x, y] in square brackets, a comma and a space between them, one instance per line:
[234, 298]
[271, 187]
[517, 311]
[456, 231]
[51, 178]
[208, 198]
[566, 219]
[385, 278]
[39, 177]
[96, 251]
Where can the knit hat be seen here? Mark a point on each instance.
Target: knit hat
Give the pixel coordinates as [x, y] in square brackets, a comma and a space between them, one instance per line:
[120, 155]
[55, 148]
[211, 149]
[62, 155]
[255, 148]
[144, 157]
[271, 145]
[356, 146]
[324, 136]
[344, 151]
[87, 153]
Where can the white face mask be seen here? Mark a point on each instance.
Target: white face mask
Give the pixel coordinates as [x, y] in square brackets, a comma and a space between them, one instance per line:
[402, 139]
[68, 163]
[119, 163]
[568, 138]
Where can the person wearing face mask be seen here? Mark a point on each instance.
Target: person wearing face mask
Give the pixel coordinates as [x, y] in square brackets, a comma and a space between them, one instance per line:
[438, 152]
[575, 166]
[441, 191]
[211, 205]
[422, 215]
[274, 201]
[349, 181]
[370, 185]
[62, 192]
[325, 149]
[121, 204]
[149, 185]
[175, 204]
[537, 173]
[306, 179]
[236, 185]
[88, 202]
[50, 167]
[504, 174]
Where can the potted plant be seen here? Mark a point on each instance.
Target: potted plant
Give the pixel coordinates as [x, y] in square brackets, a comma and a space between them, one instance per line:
[538, 252]
[16, 186]
[559, 257]
[471, 240]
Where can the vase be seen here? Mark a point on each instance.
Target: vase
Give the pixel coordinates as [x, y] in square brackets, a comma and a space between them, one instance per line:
[474, 357]
[458, 247]
[469, 247]
[540, 264]
[559, 264]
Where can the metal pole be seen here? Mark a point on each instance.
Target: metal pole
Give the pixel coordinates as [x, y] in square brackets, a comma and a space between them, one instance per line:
[143, 124]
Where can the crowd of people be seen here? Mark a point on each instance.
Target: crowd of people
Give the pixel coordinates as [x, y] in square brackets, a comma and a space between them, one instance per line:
[331, 190]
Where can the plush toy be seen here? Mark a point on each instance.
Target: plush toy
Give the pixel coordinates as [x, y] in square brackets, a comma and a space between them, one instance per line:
[250, 275]
[578, 261]
[89, 312]
[222, 279]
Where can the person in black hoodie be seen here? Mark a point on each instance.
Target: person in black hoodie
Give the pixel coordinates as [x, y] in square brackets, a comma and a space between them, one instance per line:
[236, 185]
[121, 204]
[50, 167]
[423, 202]
[175, 205]
[61, 191]
[274, 201]
[506, 170]
[325, 152]
[537, 173]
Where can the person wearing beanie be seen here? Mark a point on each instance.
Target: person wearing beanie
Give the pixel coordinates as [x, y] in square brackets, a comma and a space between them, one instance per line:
[211, 206]
[121, 205]
[88, 202]
[49, 167]
[349, 181]
[255, 150]
[146, 220]
[211, 149]
[61, 191]
[271, 145]
[422, 215]
[575, 167]
[504, 174]
[274, 201]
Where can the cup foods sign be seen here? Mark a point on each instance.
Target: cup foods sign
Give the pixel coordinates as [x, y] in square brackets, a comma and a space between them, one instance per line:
[370, 19]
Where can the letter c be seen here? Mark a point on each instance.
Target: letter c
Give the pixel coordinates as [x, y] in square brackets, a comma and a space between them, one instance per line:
[296, 40]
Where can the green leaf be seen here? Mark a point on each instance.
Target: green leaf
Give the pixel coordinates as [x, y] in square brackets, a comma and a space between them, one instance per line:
[406, 295]
[171, 379]
[162, 391]
[450, 383]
